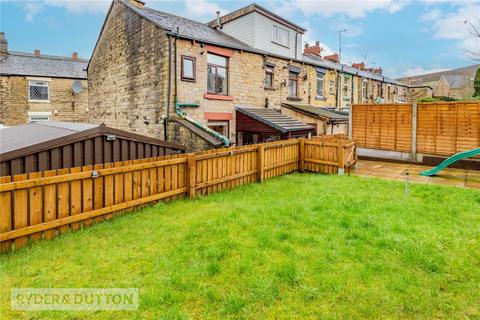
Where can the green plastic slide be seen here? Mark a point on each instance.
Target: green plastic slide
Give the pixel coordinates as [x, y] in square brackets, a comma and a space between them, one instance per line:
[449, 161]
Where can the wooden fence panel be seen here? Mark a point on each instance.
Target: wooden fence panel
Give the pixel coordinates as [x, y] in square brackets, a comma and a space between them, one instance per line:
[50, 203]
[382, 126]
[447, 128]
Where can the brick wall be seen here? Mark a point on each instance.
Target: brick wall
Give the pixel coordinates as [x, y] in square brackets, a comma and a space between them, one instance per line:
[128, 74]
[63, 105]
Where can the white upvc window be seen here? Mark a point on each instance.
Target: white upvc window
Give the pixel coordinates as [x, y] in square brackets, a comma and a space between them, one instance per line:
[36, 116]
[320, 85]
[38, 91]
[280, 36]
[364, 90]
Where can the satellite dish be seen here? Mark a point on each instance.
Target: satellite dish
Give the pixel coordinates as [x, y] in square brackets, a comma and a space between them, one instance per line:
[77, 87]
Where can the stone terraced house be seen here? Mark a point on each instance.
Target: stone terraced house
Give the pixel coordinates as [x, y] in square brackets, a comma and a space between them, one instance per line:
[37, 87]
[184, 81]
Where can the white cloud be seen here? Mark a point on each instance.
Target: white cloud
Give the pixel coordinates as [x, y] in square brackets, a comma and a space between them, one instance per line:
[350, 8]
[432, 15]
[80, 6]
[32, 8]
[452, 26]
[203, 9]
[416, 71]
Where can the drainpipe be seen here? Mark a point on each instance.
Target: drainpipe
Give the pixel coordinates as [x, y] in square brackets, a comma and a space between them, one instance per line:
[178, 106]
[182, 114]
[165, 120]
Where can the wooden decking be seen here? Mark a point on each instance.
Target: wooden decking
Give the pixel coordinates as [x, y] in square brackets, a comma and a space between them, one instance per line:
[397, 171]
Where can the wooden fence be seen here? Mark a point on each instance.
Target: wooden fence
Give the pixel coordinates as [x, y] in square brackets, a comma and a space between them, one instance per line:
[437, 128]
[44, 204]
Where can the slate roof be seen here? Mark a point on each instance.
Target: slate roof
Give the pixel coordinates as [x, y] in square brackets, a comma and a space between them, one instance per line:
[327, 64]
[457, 81]
[333, 116]
[274, 119]
[27, 64]
[26, 135]
[202, 32]
[188, 28]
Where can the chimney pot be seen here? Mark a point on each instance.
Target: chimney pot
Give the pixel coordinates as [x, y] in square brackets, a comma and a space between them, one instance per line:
[37, 52]
[313, 50]
[317, 43]
[3, 44]
[75, 56]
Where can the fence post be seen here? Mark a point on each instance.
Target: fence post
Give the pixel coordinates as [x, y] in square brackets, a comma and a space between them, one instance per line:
[301, 156]
[413, 155]
[191, 175]
[341, 154]
[260, 162]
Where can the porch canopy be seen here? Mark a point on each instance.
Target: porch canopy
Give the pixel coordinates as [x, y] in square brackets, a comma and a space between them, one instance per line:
[256, 125]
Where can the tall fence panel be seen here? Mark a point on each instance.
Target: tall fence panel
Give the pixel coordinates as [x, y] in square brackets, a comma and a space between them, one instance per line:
[441, 128]
[447, 128]
[45, 204]
[382, 126]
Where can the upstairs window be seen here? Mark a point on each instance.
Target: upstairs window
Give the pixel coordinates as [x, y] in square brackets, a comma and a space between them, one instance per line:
[38, 90]
[292, 84]
[345, 87]
[280, 36]
[188, 68]
[268, 77]
[320, 85]
[217, 81]
[364, 89]
[331, 87]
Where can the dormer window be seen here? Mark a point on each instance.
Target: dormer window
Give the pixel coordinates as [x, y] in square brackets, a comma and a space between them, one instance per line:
[280, 36]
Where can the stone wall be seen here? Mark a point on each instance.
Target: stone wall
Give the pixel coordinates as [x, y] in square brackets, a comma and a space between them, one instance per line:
[63, 104]
[181, 135]
[128, 74]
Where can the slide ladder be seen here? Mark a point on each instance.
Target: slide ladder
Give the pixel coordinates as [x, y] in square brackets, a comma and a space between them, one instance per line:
[449, 161]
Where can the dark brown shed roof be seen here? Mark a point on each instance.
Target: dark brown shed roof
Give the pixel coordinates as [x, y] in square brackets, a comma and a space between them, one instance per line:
[44, 146]
[274, 119]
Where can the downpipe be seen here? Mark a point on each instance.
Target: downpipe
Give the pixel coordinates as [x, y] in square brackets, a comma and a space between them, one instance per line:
[182, 114]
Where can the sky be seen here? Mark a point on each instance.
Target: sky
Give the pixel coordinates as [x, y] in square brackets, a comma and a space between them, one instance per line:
[405, 38]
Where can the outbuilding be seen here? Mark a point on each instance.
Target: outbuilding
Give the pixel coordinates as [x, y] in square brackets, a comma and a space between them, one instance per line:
[49, 145]
[325, 121]
[255, 125]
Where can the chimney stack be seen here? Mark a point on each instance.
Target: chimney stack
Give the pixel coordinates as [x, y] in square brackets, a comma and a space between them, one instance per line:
[137, 3]
[314, 50]
[333, 57]
[75, 56]
[37, 53]
[3, 44]
[219, 25]
[360, 65]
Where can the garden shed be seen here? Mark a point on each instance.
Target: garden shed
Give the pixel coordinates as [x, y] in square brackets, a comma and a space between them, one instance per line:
[49, 145]
[256, 125]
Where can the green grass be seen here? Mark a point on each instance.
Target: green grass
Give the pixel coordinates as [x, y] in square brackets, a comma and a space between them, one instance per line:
[299, 246]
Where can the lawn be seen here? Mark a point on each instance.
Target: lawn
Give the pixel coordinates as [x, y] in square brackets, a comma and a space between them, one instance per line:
[299, 246]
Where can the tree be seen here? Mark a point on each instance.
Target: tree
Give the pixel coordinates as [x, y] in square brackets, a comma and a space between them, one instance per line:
[475, 32]
[476, 84]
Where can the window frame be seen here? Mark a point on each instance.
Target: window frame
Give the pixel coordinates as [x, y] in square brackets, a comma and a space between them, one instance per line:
[46, 84]
[216, 66]
[269, 72]
[194, 71]
[320, 76]
[293, 76]
[331, 87]
[39, 114]
[276, 36]
[364, 90]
